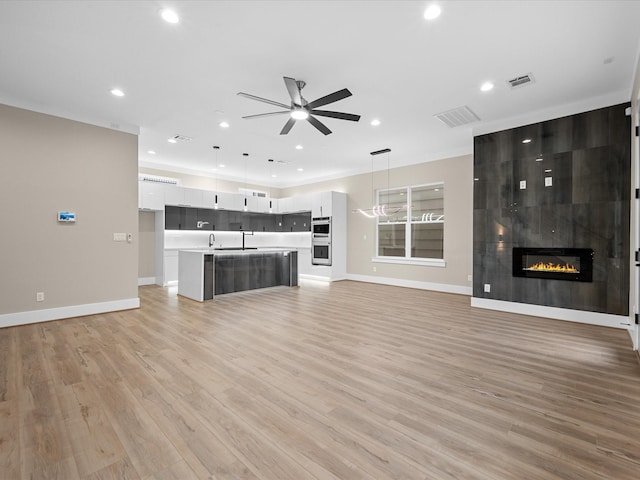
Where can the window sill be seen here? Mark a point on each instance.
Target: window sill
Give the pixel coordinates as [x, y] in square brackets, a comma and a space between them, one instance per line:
[427, 262]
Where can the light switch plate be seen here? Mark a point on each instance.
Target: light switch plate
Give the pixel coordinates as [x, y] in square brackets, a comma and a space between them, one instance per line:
[548, 181]
[119, 237]
[523, 184]
[487, 288]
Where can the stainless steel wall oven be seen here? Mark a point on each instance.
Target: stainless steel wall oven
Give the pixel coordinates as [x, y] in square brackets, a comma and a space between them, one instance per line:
[321, 241]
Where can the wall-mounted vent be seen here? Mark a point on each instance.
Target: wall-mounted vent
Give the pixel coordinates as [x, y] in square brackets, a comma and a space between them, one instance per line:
[253, 193]
[182, 138]
[457, 117]
[522, 80]
[145, 177]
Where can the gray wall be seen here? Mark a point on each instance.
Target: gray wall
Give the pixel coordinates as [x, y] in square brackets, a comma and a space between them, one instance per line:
[586, 207]
[51, 164]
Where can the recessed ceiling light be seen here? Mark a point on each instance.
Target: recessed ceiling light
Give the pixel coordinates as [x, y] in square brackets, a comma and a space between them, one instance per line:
[299, 147]
[169, 16]
[151, 152]
[301, 169]
[432, 11]
[172, 140]
[221, 166]
[224, 125]
[375, 122]
[116, 92]
[526, 140]
[486, 86]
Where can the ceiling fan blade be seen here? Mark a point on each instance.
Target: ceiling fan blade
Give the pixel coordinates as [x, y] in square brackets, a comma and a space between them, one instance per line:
[294, 90]
[287, 126]
[332, 97]
[267, 114]
[264, 100]
[318, 124]
[340, 115]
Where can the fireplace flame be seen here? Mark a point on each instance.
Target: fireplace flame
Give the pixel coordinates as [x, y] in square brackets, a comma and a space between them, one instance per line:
[553, 267]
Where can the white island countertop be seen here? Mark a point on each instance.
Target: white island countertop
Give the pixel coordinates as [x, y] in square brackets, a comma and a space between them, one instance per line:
[236, 251]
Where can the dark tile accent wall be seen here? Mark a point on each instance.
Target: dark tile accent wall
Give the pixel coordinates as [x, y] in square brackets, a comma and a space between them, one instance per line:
[588, 157]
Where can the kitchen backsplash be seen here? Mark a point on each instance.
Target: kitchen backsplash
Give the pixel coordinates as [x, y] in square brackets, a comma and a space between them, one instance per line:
[174, 239]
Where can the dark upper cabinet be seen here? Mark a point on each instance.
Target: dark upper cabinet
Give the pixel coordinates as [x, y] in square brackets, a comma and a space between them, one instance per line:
[296, 222]
[171, 217]
[236, 221]
[188, 218]
[205, 219]
[279, 223]
[263, 222]
[303, 222]
[220, 220]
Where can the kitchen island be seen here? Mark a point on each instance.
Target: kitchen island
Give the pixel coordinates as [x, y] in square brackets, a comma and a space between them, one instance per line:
[205, 273]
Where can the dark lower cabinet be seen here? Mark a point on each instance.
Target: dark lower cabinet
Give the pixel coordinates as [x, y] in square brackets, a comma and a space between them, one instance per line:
[240, 272]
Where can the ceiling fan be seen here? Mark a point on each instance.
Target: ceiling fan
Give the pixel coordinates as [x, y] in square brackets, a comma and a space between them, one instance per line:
[300, 109]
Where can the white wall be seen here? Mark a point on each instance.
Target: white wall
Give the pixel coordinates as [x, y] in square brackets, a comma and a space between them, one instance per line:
[634, 297]
[50, 164]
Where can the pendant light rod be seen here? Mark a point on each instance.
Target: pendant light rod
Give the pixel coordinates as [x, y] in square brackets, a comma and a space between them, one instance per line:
[216, 148]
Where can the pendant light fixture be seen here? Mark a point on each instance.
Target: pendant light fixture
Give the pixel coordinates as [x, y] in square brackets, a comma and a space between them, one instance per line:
[245, 155]
[270, 176]
[380, 210]
[215, 201]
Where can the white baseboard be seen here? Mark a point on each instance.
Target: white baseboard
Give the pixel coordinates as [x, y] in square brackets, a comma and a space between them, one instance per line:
[399, 282]
[45, 315]
[579, 316]
[146, 281]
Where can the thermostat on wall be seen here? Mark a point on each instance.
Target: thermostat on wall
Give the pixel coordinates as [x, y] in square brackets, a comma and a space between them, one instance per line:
[67, 217]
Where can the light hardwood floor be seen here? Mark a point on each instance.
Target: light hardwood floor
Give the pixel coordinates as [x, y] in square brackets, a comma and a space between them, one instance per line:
[344, 381]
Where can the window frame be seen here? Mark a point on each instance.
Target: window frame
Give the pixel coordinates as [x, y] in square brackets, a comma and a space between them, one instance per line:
[407, 259]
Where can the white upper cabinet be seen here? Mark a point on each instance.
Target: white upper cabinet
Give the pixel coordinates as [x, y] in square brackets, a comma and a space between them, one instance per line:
[230, 201]
[189, 197]
[321, 204]
[151, 195]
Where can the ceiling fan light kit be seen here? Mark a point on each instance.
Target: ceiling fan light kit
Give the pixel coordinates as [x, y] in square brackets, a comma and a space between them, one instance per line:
[300, 109]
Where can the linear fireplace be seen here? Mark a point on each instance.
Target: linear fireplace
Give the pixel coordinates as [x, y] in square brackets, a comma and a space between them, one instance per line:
[574, 264]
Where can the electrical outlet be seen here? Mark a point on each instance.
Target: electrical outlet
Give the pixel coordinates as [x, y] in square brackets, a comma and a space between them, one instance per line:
[39, 296]
[487, 288]
[375, 269]
[469, 278]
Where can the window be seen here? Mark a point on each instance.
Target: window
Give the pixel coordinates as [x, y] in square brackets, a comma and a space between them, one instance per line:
[413, 227]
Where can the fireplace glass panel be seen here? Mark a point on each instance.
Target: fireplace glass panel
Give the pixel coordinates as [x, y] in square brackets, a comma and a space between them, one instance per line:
[554, 263]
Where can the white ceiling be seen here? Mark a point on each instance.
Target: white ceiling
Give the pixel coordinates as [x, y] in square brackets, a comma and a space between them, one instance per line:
[64, 57]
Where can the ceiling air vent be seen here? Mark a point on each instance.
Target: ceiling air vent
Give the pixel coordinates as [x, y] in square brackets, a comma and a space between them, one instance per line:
[457, 117]
[182, 138]
[521, 80]
[145, 177]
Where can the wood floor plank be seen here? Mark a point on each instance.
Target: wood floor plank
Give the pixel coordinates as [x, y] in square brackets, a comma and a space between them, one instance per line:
[340, 381]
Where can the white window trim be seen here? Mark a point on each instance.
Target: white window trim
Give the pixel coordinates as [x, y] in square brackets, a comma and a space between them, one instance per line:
[425, 262]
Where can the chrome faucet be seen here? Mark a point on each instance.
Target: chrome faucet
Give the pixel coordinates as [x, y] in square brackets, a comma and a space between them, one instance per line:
[212, 239]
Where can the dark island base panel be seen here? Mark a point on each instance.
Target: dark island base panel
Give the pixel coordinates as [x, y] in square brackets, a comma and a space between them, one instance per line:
[237, 273]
